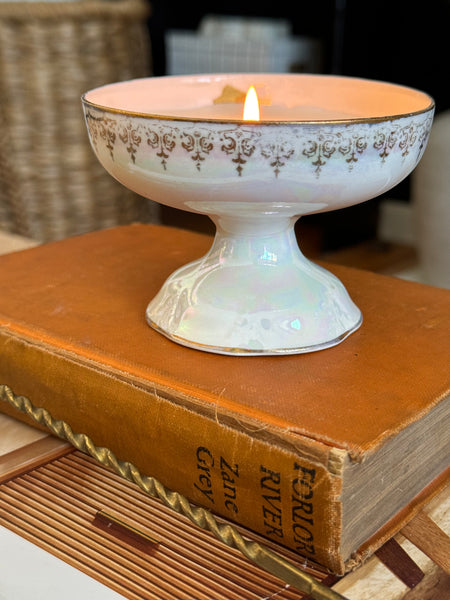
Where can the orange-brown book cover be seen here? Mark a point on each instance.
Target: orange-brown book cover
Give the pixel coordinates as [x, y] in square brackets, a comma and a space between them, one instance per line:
[326, 453]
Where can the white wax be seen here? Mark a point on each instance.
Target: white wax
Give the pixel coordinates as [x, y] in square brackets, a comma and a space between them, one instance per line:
[234, 111]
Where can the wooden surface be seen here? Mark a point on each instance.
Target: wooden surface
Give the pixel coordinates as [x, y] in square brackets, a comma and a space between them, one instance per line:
[431, 539]
[22, 448]
[400, 563]
[14, 435]
[375, 581]
[379, 257]
[10, 242]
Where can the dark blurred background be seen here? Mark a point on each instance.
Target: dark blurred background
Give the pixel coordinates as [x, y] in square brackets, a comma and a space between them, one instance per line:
[397, 41]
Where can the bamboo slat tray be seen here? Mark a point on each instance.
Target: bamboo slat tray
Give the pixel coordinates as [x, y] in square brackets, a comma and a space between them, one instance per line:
[63, 501]
[103, 525]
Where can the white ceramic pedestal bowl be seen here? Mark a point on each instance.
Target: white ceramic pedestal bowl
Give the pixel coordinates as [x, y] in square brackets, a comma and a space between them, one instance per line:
[322, 143]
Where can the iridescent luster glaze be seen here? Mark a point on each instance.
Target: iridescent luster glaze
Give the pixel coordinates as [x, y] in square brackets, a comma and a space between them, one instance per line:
[254, 292]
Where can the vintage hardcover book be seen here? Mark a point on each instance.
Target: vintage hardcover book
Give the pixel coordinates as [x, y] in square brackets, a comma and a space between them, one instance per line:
[327, 453]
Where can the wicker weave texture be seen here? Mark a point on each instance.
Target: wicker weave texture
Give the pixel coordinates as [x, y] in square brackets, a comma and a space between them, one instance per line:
[52, 185]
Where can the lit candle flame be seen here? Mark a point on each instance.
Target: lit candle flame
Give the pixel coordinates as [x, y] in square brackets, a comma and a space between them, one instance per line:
[251, 106]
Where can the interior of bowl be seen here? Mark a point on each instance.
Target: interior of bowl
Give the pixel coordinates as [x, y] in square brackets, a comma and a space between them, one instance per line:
[283, 97]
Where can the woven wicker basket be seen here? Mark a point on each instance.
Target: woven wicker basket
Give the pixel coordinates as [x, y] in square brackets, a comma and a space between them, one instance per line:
[51, 184]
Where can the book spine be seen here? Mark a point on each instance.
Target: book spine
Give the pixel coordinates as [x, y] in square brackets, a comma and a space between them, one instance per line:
[283, 487]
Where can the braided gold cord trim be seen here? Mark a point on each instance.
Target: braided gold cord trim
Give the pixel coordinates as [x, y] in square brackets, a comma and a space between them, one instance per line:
[201, 517]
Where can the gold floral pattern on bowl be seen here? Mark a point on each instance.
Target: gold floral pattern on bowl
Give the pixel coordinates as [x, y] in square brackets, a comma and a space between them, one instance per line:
[241, 142]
